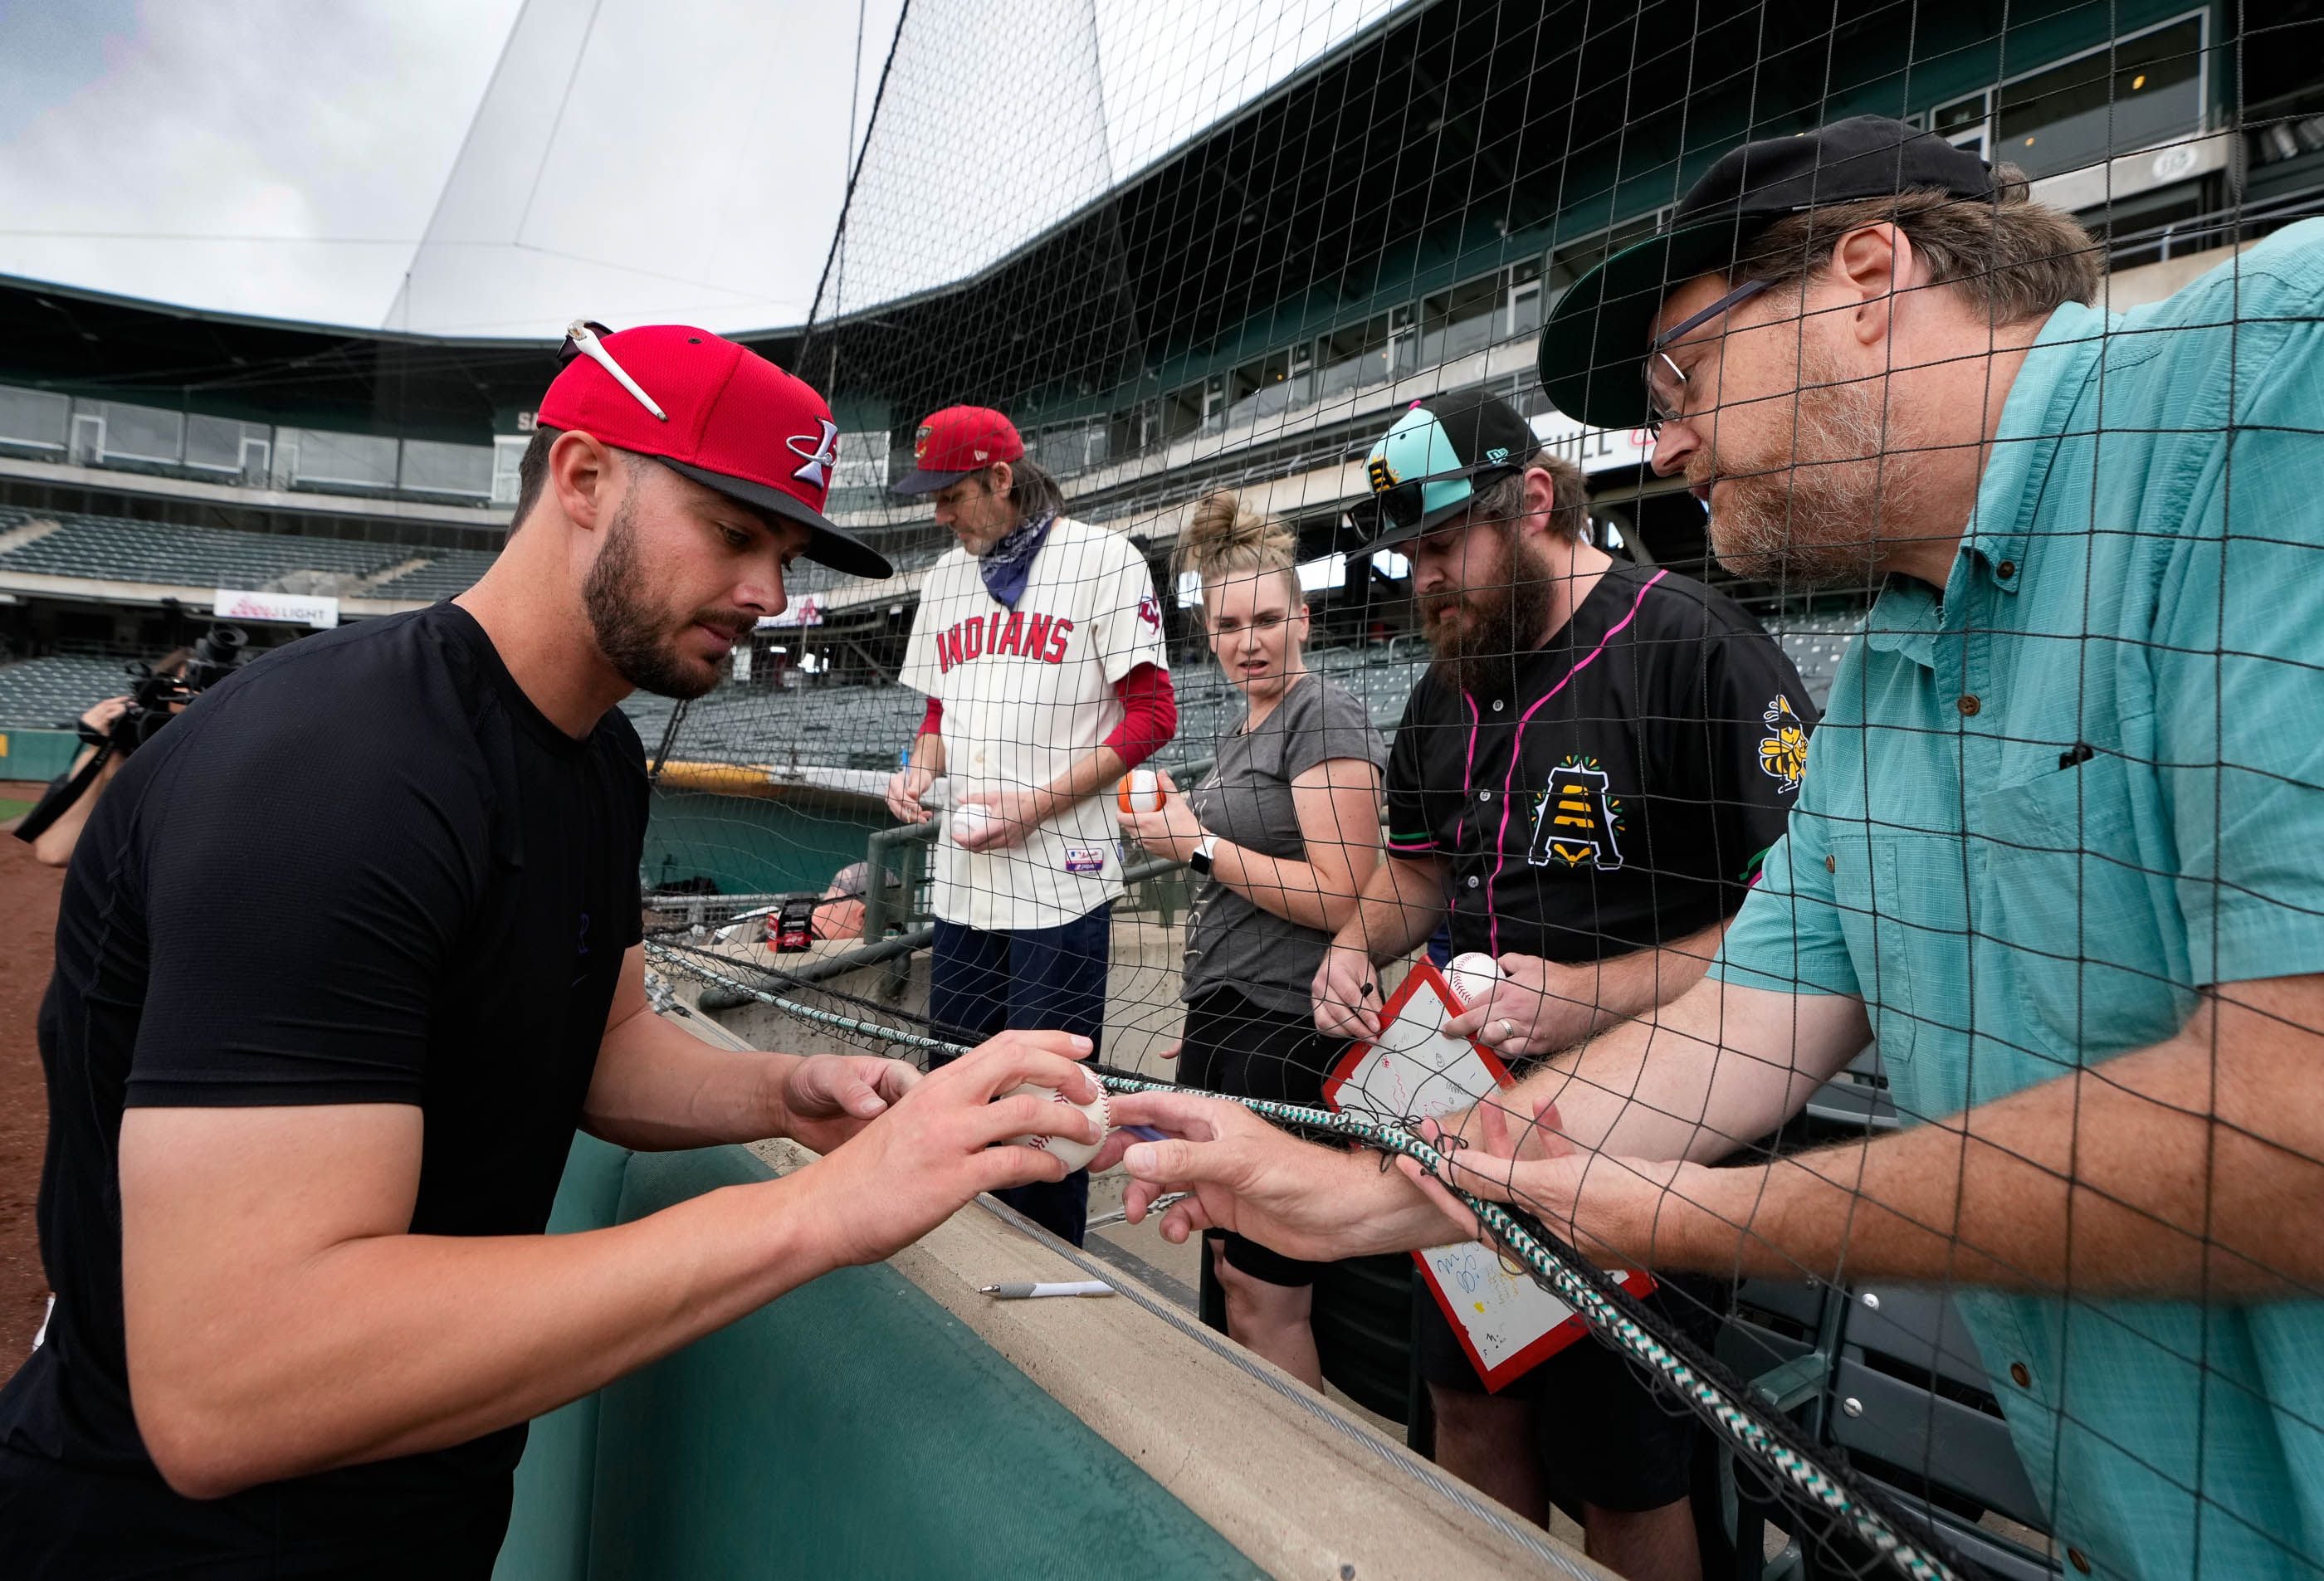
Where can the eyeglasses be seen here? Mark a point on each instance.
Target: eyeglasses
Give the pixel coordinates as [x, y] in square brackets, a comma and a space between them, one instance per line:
[1665, 382]
[581, 341]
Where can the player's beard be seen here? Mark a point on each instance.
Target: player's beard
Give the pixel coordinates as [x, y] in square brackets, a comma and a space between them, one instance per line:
[1808, 512]
[636, 637]
[1480, 634]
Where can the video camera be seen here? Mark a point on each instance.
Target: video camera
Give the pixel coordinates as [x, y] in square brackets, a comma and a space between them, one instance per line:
[154, 701]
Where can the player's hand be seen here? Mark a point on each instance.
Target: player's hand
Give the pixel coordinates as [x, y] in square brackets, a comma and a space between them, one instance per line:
[1016, 813]
[1246, 1176]
[1347, 994]
[934, 1148]
[823, 1099]
[906, 787]
[1605, 1207]
[102, 716]
[1538, 1007]
[1170, 830]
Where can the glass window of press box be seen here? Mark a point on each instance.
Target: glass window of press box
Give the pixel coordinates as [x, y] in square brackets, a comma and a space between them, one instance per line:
[129, 437]
[2143, 89]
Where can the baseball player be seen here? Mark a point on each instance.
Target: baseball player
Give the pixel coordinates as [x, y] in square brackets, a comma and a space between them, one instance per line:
[1039, 645]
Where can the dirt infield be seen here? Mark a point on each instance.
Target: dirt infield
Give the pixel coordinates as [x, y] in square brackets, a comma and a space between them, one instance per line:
[28, 914]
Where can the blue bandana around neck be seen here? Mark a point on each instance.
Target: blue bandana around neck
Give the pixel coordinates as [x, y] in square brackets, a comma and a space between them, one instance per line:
[1007, 563]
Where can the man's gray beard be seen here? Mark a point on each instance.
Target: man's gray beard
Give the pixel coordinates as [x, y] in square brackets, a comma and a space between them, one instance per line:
[1482, 660]
[640, 648]
[1815, 525]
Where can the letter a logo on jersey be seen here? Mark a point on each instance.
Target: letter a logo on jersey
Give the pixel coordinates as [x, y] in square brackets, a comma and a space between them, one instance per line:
[1573, 822]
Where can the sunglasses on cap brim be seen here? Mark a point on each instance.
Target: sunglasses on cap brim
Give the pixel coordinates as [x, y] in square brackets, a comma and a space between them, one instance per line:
[1404, 504]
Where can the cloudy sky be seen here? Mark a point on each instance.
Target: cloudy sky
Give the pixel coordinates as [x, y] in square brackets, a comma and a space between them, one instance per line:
[493, 167]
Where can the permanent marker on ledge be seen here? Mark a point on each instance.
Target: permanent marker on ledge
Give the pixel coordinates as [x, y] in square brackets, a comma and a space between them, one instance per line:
[1028, 1292]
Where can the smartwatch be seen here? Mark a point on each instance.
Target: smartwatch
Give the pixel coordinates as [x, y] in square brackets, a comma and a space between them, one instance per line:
[1199, 858]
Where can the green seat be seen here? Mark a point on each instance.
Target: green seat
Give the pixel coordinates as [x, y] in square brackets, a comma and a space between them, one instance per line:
[854, 1427]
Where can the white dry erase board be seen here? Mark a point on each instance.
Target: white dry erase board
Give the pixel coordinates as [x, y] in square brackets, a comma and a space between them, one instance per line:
[1413, 1070]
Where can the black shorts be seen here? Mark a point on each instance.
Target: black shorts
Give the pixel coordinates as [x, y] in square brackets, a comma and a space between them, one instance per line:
[1244, 1050]
[1616, 1440]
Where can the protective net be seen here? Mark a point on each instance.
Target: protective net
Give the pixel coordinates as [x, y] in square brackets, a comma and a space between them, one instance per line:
[1894, 575]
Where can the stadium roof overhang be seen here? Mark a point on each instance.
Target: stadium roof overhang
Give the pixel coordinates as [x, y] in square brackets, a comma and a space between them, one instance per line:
[1419, 147]
[104, 347]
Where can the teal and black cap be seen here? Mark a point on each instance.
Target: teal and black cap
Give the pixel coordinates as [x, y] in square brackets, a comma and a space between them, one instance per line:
[1596, 338]
[1427, 469]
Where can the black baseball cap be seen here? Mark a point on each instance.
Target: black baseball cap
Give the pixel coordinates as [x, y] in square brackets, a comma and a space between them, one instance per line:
[1597, 335]
[1427, 469]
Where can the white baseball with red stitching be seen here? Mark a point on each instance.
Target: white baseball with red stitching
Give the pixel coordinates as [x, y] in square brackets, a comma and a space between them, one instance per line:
[1471, 977]
[1074, 1151]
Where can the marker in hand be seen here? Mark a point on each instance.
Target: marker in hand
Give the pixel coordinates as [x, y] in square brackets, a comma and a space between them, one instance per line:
[1032, 1293]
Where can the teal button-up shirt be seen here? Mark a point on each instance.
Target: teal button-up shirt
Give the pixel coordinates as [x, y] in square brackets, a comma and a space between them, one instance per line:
[2045, 809]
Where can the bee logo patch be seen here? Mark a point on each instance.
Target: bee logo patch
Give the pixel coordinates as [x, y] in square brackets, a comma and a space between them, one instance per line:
[1784, 751]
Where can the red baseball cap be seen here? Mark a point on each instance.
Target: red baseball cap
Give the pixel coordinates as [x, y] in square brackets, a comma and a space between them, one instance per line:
[714, 411]
[955, 442]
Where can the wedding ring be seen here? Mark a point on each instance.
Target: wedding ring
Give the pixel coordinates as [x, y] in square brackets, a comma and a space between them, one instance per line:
[1508, 1029]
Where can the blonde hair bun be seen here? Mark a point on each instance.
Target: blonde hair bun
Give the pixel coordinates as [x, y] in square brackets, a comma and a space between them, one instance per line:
[1223, 539]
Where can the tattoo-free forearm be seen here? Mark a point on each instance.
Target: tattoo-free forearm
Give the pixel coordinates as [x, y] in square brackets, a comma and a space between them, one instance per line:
[1624, 986]
[1402, 904]
[296, 1350]
[1093, 771]
[659, 1088]
[1698, 1077]
[2174, 1171]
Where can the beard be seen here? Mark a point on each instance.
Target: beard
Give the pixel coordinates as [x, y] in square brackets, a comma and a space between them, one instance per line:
[637, 638]
[1479, 634]
[1807, 514]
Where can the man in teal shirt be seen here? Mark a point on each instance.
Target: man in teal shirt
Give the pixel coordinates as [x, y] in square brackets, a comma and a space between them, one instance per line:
[2060, 845]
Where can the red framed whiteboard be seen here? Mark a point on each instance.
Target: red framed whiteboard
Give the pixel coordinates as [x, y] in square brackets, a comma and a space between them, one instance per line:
[1508, 1324]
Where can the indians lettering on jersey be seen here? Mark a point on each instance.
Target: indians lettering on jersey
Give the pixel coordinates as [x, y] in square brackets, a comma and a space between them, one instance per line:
[1575, 820]
[1020, 632]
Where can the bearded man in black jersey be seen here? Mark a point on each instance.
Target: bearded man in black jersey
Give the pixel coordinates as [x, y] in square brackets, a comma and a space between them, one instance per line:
[1581, 780]
[296, 1185]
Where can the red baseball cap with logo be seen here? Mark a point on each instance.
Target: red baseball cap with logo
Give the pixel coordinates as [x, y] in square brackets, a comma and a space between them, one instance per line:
[955, 442]
[716, 412]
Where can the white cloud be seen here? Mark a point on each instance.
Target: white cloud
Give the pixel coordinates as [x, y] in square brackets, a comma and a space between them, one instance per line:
[260, 156]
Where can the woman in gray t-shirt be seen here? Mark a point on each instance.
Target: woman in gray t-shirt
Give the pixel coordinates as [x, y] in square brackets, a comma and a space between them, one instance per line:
[1282, 835]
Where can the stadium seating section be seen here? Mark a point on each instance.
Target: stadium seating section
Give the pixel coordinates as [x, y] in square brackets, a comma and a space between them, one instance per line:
[44, 693]
[118, 549]
[865, 727]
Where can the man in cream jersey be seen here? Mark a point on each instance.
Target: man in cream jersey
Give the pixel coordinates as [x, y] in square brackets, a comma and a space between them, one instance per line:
[1039, 644]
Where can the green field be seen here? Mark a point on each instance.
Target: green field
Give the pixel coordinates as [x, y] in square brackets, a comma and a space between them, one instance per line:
[12, 808]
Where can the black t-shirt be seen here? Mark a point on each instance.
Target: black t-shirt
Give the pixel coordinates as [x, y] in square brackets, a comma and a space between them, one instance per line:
[1621, 790]
[363, 870]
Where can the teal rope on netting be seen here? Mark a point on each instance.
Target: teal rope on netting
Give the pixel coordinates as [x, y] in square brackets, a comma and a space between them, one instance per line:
[1554, 1272]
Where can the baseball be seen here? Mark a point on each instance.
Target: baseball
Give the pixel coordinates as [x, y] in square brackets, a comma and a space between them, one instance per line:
[971, 818]
[1140, 791]
[1076, 1154]
[1471, 977]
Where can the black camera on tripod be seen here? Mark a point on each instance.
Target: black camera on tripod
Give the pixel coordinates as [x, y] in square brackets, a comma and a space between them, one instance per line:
[154, 701]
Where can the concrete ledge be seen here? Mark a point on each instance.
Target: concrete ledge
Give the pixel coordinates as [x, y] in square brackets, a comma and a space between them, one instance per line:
[1300, 1485]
